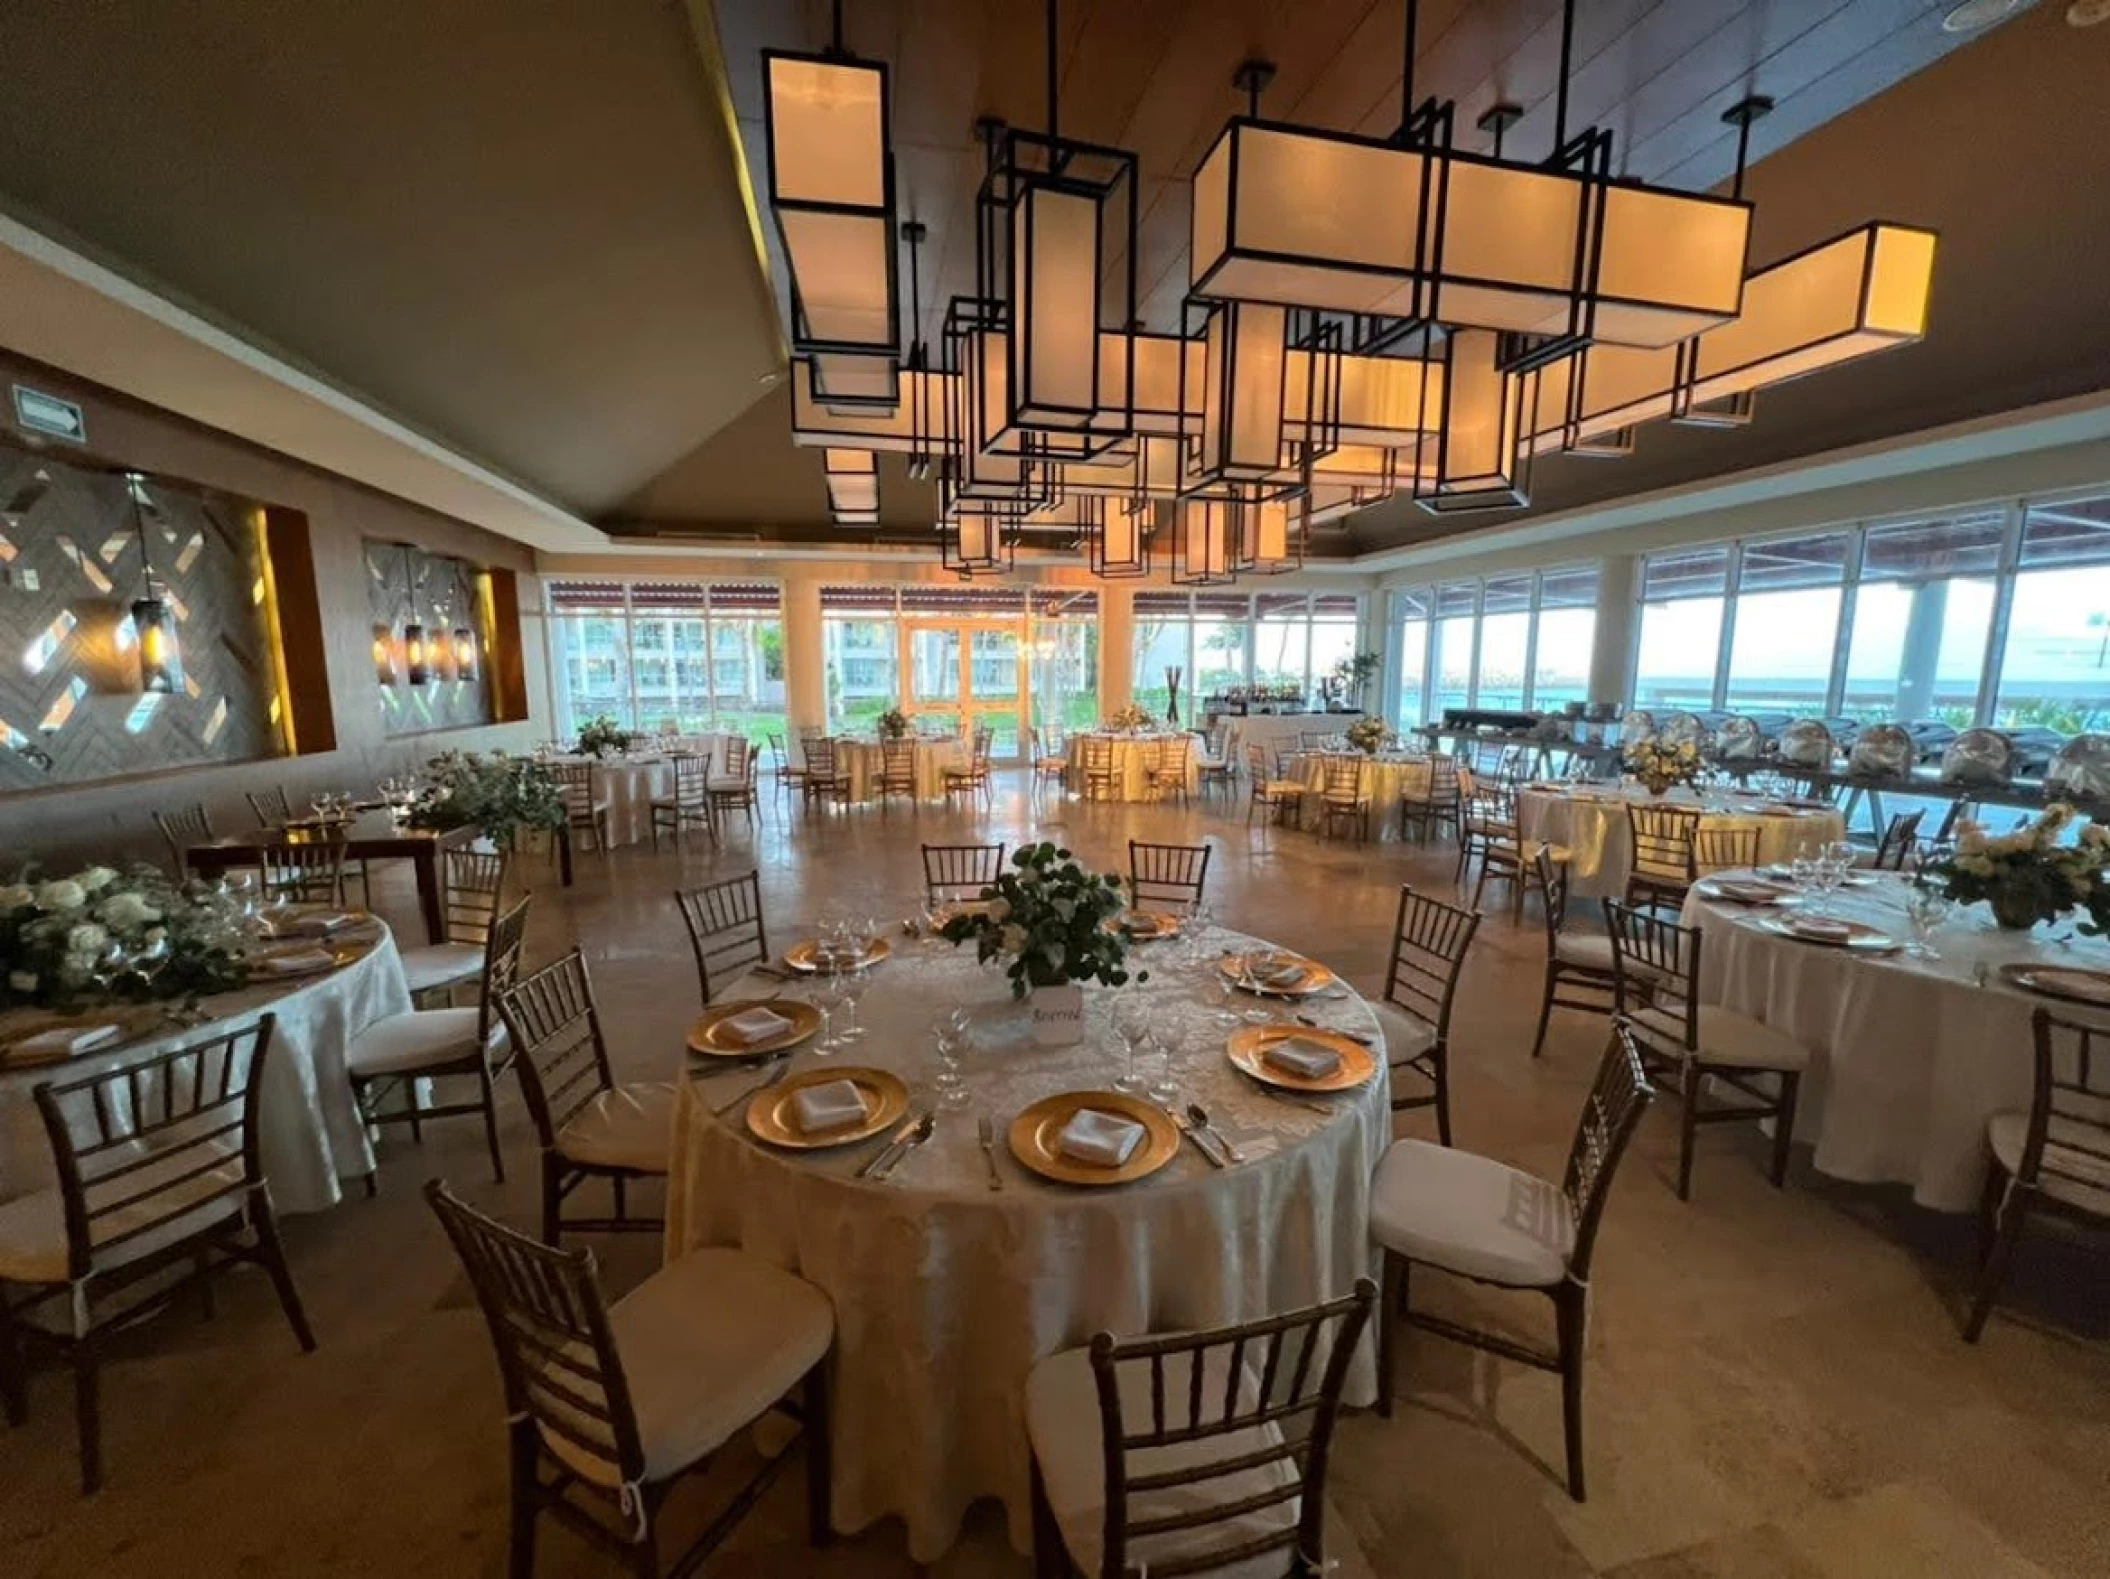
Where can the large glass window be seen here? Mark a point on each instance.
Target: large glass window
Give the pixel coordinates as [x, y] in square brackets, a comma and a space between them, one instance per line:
[1456, 603]
[1563, 637]
[2055, 666]
[1786, 624]
[1281, 640]
[1682, 597]
[1164, 628]
[673, 657]
[1225, 642]
[1505, 642]
[1921, 616]
[1334, 620]
[1410, 619]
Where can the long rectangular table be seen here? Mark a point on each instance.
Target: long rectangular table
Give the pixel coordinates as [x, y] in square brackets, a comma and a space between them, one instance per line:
[371, 836]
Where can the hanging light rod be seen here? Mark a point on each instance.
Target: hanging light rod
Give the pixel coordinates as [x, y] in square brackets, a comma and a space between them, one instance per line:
[1742, 115]
[1497, 118]
[1251, 78]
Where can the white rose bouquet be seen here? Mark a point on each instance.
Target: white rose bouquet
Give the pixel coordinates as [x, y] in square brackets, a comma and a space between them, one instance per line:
[1660, 763]
[53, 933]
[1049, 918]
[2032, 874]
[1132, 719]
[1369, 736]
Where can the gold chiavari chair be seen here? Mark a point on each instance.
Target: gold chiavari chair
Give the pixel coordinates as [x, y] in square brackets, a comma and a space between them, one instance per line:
[1491, 835]
[827, 777]
[272, 808]
[1168, 768]
[182, 828]
[1580, 962]
[735, 793]
[475, 886]
[306, 871]
[1657, 965]
[159, 1167]
[584, 809]
[1196, 1453]
[1346, 796]
[897, 770]
[954, 872]
[1281, 795]
[1429, 944]
[588, 1126]
[402, 1051]
[1718, 849]
[1900, 839]
[726, 928]
[1662, 869]
[2055, 1157]
[974, 778]
[1440, 803]
[1486, 1222]
[608, 1406]
[689, 804]
[1101, 778]
[1050, 764]
[1170, 874]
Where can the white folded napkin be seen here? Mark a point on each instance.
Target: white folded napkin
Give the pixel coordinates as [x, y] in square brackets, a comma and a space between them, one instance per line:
[1303, 1057]
[1750, 892]
[1142, 923]
[1278, 972]
[1105, 1140]
[1819, 927]
[321, 924]
[758, 1024]
[829, 1106]
[296, 962]
[64, 1041]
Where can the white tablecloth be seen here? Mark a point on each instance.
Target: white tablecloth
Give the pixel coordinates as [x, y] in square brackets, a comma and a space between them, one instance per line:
[630, 785]
[311, 1129]
[1591, 823]
[1911, 1057]
[1134, 756]
[1386, 781]
[1274, 732]
[946, 1293]
[864, 761]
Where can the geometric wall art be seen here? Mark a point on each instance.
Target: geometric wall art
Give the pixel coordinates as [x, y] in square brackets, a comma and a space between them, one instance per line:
[431, 633]
[76, 545]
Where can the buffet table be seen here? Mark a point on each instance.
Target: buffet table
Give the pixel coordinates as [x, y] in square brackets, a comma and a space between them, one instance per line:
[1274, 732]
[947, 1292]
[312, 1133]
[1910, 1056]
[1591, 823]
[1134, 757]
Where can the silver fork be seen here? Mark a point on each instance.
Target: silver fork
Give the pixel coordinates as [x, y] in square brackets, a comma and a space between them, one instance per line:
[987, 1129]
[1200, 1116]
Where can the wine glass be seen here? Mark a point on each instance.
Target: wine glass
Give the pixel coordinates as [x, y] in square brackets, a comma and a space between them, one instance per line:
[149, 960]
[1160, 1042]
[1802, 872]
[855, 976]
[828, 997]
[1131, 1021]
[1926, 909]
[951, 1084]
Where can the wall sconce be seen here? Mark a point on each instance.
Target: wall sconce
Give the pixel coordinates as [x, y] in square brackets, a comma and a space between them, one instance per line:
[464, 653]
[417, 656]
[160, 653]
[384, 655]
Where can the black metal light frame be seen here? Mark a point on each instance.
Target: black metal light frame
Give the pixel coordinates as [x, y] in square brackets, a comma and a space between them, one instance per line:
[1441, 492]
[1140, 510]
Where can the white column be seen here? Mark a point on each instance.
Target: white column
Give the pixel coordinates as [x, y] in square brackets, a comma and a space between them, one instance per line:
[1117, 646]
[1922, 650]
[1618, 614]
[805, 656]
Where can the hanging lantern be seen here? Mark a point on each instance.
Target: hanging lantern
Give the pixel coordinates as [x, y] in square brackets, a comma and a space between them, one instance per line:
[1119, 544]
[853, 486]
[978, 542]
[1481, 460]
[153, 618]
[384, 654]
[464, 653]
[1203, 542]
[1272, 534]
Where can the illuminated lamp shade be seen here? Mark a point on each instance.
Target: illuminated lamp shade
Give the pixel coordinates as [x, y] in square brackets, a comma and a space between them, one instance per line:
[1309, 218]
[160, 653]
[1203, 545]
[1271, 535]
[1513, 250]
[831, 191]
[1481, 460]
[815, 424]
[1670, 265]
[978, 543]
[853, 486]
[1384, 400]
[417, 657]
[384, 655]
[464, 653]
[1119, 545]
[1241, 399]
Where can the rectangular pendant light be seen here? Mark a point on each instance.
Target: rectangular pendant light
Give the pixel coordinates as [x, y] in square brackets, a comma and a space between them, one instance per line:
[1242, 400]
[1203, 544]
[1481, 460]
[1272, 535]
[1514, 248]
[853, 486]
[1670, 265]
[160, 651]
[384, 654]
[977, 543]
[1118, 545]
[831, 191]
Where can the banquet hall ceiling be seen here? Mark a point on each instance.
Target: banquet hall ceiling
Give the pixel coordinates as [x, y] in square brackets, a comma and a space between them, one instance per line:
[523, 229]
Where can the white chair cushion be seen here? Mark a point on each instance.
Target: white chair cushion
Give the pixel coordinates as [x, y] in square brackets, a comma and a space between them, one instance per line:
[1590, 950]
[2005, 1133]
[722, 786]
[1470, 1215]
[1062, 1422]
[1405, 1036]
[33, 1227]
[629, 1126]
[707, 1343]
[441, 965]
[1732, 1040]
[422, 1039]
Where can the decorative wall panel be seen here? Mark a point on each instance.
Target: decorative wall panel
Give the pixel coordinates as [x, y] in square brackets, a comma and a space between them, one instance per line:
[441, 597]
[71, 707]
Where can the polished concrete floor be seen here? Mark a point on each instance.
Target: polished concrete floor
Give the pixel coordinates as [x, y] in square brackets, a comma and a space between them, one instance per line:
[1776, 1386]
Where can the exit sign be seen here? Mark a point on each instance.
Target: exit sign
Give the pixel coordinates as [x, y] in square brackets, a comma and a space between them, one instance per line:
[38, 412]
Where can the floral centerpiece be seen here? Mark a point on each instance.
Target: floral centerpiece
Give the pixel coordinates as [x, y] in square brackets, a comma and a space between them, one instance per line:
[1369, 735]
[1659, 764]
[1132, 719]
[2031, 875]
[500, 795]
[893, 724]
[603, 734]
[105, 934]
[1049, 919]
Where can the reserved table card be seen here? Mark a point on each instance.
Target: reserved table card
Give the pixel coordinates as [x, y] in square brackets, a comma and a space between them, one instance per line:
[1058, 1015]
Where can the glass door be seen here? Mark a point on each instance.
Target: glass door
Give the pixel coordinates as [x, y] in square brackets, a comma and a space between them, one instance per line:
[997, 679]
[933, 668]
[967, 674]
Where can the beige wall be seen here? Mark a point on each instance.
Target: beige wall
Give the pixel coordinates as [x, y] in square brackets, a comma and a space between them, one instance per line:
[112, 821]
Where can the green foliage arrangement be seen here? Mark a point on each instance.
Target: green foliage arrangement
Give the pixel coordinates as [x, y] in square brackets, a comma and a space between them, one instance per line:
[1051, 920]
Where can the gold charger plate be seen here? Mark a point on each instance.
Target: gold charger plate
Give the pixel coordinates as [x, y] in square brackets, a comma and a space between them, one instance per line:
[2069, 982]
[708, 1037]
[1036, 1133]
[1858, 935]
[806, 956]
[1168, 925]
[1317, 978]
[133, 1021]
[341, 955]
[770, 1116]
[1248, 1050]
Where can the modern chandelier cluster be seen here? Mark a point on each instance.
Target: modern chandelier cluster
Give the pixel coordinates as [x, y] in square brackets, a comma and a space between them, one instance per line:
[1365, 316]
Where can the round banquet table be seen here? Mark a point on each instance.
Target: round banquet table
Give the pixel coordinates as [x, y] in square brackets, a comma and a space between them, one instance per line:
[946, 1292]
[1910, 1057]
[312, 1135]
[1387, 780]
[1591, 824]
[630, 785]
[1134, 757]
[864, 760]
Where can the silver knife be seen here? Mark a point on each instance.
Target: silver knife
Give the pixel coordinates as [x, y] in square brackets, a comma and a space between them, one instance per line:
[1223, 1141]
[917, 1136]
[894, 1144]
[1186, 1127]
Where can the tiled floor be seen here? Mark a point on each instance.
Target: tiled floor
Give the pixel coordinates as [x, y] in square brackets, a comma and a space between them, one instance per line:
[1775, 1386]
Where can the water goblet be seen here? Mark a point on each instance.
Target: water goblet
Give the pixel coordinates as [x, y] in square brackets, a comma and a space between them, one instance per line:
[1926, 909]
[1161, 1042]
[951, 1084]
[856, 976]
[1131, 1021]
[828, 997]
[148, 961]
[1802, 872]
[111, 961]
